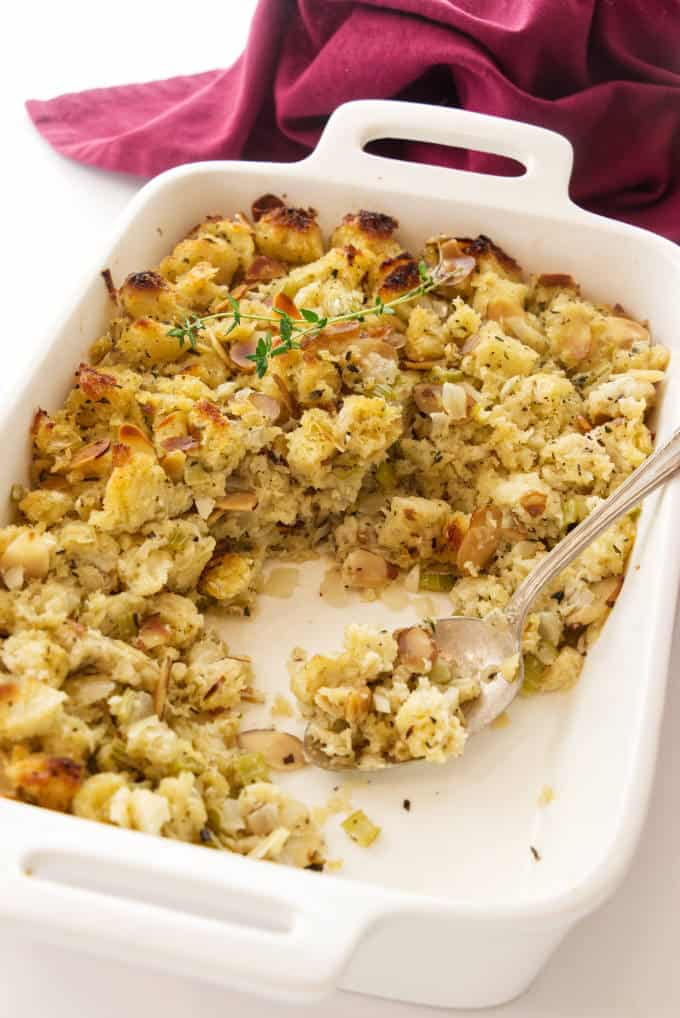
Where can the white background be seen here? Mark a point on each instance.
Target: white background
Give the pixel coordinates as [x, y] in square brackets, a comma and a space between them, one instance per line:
[623, 961]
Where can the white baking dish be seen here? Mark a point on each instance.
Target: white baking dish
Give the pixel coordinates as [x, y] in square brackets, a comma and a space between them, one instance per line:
[449, 907]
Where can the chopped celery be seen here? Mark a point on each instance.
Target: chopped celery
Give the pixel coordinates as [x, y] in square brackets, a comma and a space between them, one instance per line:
[574, 510]
[440, 671]
[386, 475]
[177, 540]
[533, 672]
[249, 768]
[436, 582]
[447, 374]
[360, 829]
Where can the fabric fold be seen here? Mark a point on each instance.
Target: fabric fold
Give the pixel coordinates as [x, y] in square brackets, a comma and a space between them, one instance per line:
[606, 75]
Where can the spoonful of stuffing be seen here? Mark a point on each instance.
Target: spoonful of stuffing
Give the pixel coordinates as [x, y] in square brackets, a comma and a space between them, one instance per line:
[485, 654]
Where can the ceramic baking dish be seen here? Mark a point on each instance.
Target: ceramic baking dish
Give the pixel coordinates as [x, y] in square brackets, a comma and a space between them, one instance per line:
[450, 906]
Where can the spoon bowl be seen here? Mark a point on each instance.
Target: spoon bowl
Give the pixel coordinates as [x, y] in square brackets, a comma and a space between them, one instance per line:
[487, 651]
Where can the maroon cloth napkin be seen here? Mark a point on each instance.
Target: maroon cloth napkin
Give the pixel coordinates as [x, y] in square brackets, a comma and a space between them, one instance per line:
[606, 73]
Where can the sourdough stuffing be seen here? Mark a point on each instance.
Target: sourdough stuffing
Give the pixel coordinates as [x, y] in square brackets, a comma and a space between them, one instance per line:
[455, 441]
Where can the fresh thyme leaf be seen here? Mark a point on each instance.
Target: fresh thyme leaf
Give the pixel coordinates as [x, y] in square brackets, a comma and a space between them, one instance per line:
[423, 272]
[286, 329]
[262, 354]
[322, 323]
[188, 332]
[309, 316]
[235, 307]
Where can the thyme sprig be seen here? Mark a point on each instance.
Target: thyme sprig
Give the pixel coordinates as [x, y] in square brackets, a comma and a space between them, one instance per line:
[291, 331]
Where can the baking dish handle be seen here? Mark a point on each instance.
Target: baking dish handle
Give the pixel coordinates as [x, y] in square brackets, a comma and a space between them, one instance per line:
[263, 929]
[547, 156]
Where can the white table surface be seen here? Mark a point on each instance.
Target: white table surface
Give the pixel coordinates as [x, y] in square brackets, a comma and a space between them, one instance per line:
[620, 963]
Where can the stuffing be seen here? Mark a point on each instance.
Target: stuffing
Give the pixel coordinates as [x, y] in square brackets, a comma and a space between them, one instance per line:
[454, 437]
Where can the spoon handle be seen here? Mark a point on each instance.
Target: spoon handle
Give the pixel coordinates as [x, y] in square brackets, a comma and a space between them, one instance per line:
[655, 471]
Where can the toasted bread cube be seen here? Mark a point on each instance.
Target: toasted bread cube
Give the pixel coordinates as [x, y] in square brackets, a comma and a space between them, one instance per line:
[230, 577]
[146, 342]
[289, 235]
[147, 295]
[372, 231]
[495, 353]
[46, 780]
[226, 244]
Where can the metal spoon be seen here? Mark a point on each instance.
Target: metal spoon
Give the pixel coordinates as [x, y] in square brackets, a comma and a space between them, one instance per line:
[480, 647]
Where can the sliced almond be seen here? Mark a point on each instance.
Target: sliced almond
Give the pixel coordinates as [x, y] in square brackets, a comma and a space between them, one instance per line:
[282, 302]
[264, 269]
[95, 384]
[334, 338]
[365, 570]
[281, 750]
[204, 505]
[160, 693]
[342, 330]
[428, 397]
[41, 420]
[417, 649]
[54, 483]
[612, 589]
[267, 405]
[453, 263]
[471, 343]
[288, 399]
[534, 503]
[367, 345]
[481, 540]
[240, 291]
[89, 453]
[135, 439]
[239, 354]
[395, 339]
[182, 442]
[28, 552]
[601, 595]
[237, 501]
[153, 632]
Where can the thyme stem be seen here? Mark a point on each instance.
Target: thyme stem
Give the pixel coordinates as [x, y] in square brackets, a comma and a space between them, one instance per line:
[293, 330]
